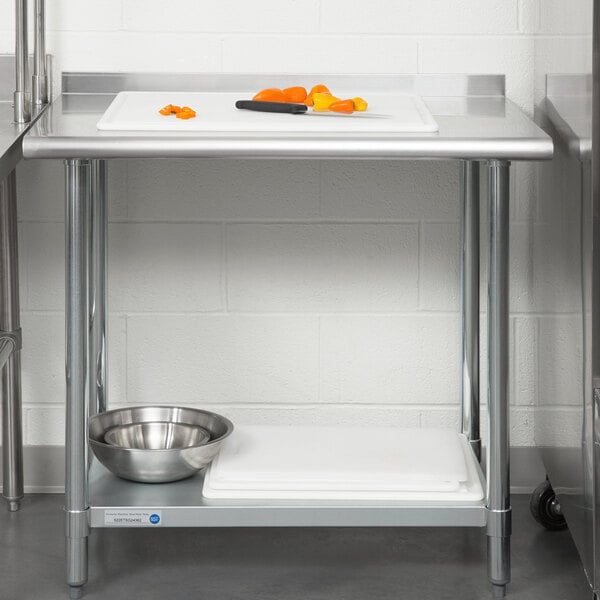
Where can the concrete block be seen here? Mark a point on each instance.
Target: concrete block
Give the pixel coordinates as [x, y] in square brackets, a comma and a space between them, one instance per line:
[394, 190]
[42, 246]
[439, 280]
[183, 190]
[84, 15]
[264, 16]
[560, 360]
[287, 268]
[124, 50]
[163, 267]
[409, 18]
[319, 54]
[200, 360]
[44, 426]
[389, 360]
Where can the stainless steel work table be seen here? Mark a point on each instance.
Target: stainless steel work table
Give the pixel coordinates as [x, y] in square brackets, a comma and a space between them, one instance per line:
[477, 126]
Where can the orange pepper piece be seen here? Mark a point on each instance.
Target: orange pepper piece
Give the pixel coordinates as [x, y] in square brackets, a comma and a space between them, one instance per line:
[270, 95]
[169, 109]
[360, 104]
[186, 113]
[320, 88]
[342, 106]
[295, 94]
[316, 89]
[322, 101]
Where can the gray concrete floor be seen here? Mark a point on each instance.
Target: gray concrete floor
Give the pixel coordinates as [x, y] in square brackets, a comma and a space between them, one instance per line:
[277, 564]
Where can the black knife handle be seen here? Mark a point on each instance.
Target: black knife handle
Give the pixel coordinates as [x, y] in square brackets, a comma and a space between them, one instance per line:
[275, 107]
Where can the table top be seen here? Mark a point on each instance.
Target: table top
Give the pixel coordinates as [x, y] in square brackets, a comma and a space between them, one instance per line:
[475, 122]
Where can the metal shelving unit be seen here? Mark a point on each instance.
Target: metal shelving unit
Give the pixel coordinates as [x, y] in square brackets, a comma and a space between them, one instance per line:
[479, 129]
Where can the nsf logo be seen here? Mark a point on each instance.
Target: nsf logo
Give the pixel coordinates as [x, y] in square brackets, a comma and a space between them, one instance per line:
[154, 519]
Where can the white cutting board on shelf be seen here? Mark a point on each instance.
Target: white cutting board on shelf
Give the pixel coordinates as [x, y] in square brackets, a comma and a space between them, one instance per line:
[342, 462]
[216, 112]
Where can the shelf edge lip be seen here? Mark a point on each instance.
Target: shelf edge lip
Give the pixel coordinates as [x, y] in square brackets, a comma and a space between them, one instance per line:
[307, 515]
[525, 149]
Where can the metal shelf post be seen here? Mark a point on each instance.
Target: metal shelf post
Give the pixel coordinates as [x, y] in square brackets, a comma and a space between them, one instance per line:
[78, 188]
[498, 480]
[469, 192]
[22, 96]
[97, 289]
[10, 333]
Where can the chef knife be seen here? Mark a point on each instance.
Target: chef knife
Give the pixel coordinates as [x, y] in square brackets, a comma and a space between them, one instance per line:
[275, 107]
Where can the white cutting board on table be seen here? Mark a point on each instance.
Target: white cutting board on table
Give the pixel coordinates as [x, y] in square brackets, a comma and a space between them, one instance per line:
[216, 111]
[342, 462]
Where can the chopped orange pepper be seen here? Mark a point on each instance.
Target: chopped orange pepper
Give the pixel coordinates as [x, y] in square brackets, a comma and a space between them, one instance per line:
[169, 109]
[295, 94]
[270, 95]
[360, 104]
[319, 89]
[342, 106]
[181, 113]
[322, 101]
[186, 113]
[316, 89]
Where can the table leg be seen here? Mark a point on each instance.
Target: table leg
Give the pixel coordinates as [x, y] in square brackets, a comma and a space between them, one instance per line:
[10, 334]
[97, 289]
[78, 188]
[469, 183]
[498, 480]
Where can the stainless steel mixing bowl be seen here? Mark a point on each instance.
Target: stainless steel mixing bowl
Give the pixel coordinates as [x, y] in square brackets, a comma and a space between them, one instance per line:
[157, 435]
[157, 466]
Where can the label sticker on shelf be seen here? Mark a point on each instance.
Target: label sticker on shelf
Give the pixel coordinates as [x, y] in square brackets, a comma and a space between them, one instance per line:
[133, 518]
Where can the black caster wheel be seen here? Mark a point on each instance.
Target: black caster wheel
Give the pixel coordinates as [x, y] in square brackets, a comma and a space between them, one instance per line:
[545, 508]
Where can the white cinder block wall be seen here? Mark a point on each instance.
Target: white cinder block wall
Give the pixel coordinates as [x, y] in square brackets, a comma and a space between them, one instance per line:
[282, 291]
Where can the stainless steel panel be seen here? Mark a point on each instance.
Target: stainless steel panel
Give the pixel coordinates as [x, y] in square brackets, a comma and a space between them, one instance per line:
[593, 250]
[568, 105]
[182, 505]
[425, 85]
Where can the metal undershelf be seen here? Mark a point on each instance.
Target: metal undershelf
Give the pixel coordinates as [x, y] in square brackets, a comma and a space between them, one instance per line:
[181, 504]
